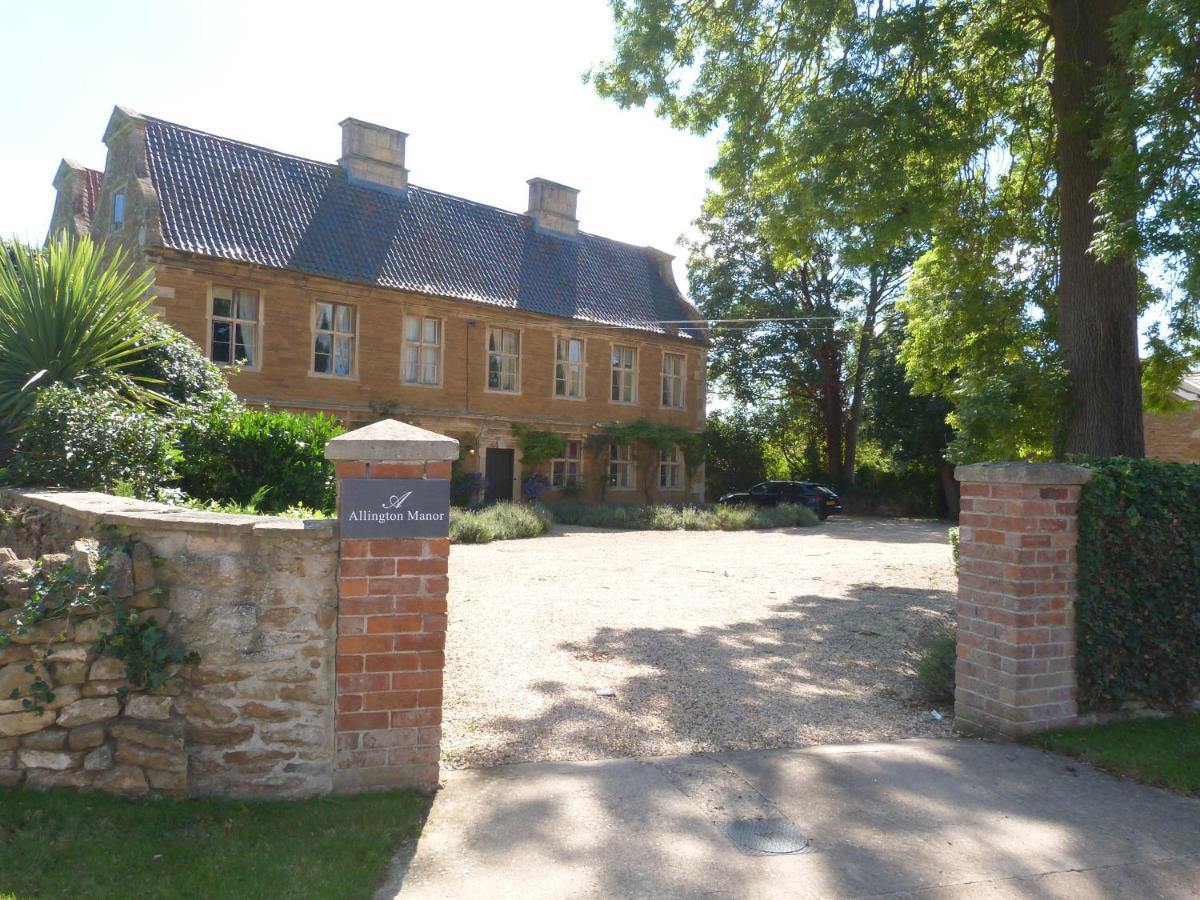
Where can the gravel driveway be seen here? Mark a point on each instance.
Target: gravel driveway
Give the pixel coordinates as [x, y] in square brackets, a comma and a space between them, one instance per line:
[711, 640]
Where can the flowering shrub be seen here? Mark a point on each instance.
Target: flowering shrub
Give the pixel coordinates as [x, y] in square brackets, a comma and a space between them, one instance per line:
[535, 485]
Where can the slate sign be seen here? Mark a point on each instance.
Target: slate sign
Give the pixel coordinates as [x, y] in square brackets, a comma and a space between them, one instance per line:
[395, 508]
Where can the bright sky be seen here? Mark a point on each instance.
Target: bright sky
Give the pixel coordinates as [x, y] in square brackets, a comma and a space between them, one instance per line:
[490, 93]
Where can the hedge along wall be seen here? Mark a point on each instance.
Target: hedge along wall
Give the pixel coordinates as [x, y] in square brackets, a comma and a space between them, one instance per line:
[1138, 609]
[254, 597]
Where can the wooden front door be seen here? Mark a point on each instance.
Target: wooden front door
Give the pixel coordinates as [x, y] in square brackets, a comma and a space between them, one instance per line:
[498, 469]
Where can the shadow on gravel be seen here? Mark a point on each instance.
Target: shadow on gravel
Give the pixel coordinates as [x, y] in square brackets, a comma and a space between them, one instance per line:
[816, 670]
[892, 531]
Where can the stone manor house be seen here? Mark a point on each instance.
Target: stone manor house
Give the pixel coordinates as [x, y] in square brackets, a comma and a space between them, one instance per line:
[343, 288]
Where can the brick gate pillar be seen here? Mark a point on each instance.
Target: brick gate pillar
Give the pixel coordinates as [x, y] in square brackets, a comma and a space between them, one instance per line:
[1016, 596]
[393, 484]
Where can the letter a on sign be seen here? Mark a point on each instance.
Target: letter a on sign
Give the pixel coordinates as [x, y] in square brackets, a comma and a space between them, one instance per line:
[395, 508]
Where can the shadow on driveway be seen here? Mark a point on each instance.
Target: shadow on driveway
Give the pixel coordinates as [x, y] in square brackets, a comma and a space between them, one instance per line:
[935, 818]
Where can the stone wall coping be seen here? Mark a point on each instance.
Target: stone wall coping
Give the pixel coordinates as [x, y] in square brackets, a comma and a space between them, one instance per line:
[392, 441]
[92, 508]
[1023, 473]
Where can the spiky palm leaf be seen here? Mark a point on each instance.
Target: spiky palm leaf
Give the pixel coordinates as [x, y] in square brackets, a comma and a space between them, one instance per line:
[68, 314]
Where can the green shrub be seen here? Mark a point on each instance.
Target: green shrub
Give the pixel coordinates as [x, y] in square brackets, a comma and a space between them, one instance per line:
[953, 535]
[231, 455]
[935, 667]
[69, 315]
[664, 517]
[569, 512]
[695, 518]
[467, 526]
[1138, 608]
[733, 518]
[500, 522]
[660, 518]
[177, 369]
[511, 521]
[785, 516]
[86, 440]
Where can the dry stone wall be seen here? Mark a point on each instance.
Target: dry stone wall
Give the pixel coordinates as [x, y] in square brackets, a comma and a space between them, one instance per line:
[254, 597]
[84, 729]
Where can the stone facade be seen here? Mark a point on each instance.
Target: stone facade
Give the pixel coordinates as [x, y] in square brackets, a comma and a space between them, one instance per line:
[255, 597]
[1174, 437]
[461, 406]
[1016, 619]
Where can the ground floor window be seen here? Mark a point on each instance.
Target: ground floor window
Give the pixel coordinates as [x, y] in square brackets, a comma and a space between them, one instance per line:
[567, 469]
[233, 337]
[620, 467]
[670, 469]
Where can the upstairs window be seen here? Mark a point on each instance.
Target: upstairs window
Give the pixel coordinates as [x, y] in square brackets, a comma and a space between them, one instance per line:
[620, 467]
[672, 380]
[118, 209]
[670, 469]
[422, 350]
[566, 470]
[504, 360]
[233, 332]
[624, 374]
[334, 326]
[568, 368]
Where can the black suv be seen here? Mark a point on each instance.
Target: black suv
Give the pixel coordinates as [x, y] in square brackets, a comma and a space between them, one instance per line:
[820, 500]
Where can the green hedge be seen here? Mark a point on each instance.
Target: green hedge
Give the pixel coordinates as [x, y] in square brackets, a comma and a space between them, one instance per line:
[1138, 610]
[232, 455]
[91, 440]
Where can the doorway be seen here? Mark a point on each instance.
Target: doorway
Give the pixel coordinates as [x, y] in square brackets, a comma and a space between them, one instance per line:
[498, 469]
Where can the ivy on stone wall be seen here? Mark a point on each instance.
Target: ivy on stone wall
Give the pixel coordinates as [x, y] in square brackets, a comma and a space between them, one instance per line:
[1138, 606]
[92, 581]
[647, 435]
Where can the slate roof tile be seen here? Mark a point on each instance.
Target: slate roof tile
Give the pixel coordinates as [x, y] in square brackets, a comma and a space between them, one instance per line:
[236, 201]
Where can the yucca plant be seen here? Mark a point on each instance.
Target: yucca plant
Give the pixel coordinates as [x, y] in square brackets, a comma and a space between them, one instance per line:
[69, 315]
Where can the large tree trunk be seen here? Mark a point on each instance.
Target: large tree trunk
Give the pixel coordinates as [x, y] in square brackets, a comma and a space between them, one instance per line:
[829, 358]
[862, 354]
[1097, 301]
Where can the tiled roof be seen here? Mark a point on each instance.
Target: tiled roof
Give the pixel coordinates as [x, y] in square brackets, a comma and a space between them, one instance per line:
[236, 201]
[1189, 387]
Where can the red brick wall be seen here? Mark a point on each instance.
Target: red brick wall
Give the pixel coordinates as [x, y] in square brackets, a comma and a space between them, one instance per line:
[390, 650]
[1016, 622]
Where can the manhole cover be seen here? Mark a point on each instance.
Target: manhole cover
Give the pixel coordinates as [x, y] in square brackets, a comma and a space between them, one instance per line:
[766, 835]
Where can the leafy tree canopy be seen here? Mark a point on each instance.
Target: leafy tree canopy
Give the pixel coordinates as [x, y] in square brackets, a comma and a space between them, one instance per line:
[1043, 148]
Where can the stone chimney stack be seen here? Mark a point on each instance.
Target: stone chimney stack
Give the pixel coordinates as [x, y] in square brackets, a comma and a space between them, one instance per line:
[77, 190]
[552, 207]
[373, 156]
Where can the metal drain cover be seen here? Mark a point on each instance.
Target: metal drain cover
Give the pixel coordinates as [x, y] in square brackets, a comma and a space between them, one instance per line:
[775, 836]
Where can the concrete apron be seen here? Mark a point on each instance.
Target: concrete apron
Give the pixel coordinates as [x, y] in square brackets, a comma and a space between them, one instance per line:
[935, 818]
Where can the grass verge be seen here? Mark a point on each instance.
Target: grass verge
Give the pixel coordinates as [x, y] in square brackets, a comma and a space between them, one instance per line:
[1161, 752]
[64, 844]
[936, 662]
